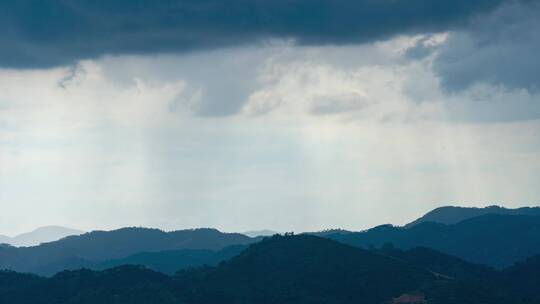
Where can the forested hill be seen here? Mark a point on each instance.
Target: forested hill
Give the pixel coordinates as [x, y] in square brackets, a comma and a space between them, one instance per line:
[493, 239]
[98, 246]
[282, 270]
[452, 215]
[496, 240]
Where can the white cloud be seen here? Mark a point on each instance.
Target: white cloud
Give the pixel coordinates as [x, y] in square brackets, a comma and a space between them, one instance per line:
[341, 135]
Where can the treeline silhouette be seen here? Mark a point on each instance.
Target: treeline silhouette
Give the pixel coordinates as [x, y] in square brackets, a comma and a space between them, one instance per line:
[290, 269]
[491, 239]
[450, 255]
[98, 249]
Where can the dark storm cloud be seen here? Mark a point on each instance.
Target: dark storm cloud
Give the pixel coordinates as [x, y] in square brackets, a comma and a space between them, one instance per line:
[36, 33]
[499, 49]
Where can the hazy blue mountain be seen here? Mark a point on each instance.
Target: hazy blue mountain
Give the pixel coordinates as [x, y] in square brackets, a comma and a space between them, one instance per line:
[43, 235]
[40, 235]
[169, 262]
[452, 215]
[256, 233]
[493, 239]
[91, 248]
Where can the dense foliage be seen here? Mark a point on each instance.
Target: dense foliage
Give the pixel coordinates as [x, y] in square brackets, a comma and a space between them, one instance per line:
[493, 239]
[497, 240]
[428, 262]
[306, 269]
[289, 269]
[128, 284]
[91, 249]
[452, 215]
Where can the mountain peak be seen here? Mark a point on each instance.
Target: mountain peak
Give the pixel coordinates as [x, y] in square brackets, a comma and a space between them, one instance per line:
[40, 235]
[454, 214]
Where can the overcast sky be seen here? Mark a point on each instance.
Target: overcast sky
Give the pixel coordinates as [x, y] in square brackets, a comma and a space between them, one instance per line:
[250, 114]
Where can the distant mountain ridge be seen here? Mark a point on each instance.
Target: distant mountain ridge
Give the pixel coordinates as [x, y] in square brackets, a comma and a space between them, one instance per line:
[428, 263]
[40, 235]
[169, 262]
[166, 262]
[492, 239]
[94, 247]
[452, 215]
[278, 270]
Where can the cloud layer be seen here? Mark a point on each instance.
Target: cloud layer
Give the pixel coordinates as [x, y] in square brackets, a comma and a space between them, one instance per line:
[500, 49]
[174, 114]
[36, 33]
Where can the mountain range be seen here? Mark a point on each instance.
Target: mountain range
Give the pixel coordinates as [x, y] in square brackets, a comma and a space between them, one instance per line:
[444, 215]
[492, 239]
[452, 215]
[450, 255]
[291, 269]
[93, 248]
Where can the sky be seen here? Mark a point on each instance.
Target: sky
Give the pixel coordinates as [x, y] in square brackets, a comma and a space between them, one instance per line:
[294, 115]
